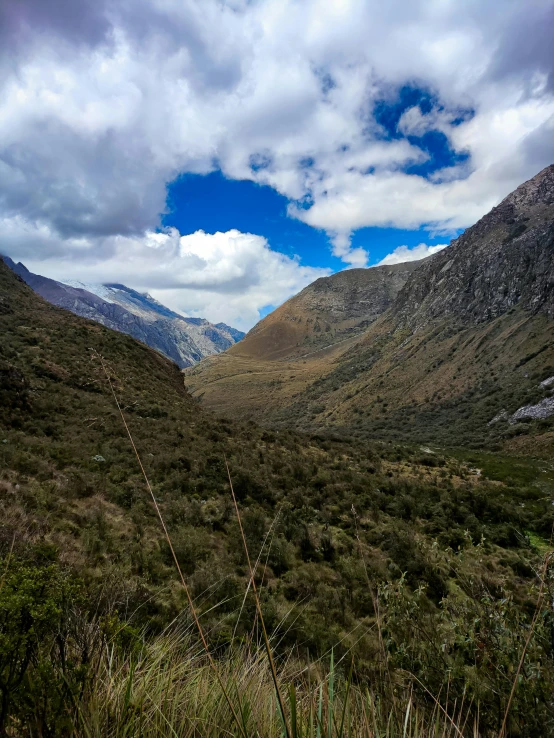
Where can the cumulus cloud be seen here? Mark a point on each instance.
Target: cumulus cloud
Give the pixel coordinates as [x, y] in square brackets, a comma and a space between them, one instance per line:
[101, 108]
[405, 253]
[230, 276]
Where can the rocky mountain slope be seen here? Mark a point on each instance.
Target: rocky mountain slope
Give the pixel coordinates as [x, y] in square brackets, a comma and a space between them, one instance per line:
[469, 337]
[504, 260]
[467, 346]
[183, 340]
[285, 349]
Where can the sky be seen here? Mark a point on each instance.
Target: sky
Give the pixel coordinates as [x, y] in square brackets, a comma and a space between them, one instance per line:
[222, 154]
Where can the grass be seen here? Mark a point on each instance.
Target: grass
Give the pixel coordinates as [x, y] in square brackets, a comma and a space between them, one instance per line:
[169, 689]
[401, 562]
[444, 384]
[314, 710]
[540, 544]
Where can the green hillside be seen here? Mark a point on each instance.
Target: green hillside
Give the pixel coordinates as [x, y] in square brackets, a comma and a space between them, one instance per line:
[462, 344]
[418, 571]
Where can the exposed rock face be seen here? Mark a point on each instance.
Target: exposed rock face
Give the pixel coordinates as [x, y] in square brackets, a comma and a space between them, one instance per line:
[504, 260]
[329, 310]
[540, 411]
[358, 294]
[184, 340]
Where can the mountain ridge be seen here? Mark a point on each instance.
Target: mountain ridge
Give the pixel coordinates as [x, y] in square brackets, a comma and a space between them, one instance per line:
[285, 351]
[183, 340]
[513, 244]
[326, 311]
[468, 336]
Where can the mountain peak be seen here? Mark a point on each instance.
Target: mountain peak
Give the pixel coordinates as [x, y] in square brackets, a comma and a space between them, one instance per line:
[183, 340]
[539, 190]
[505, 259]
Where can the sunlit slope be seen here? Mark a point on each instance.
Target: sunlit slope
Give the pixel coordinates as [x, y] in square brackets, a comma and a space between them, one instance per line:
[469, 337]
[298, 342]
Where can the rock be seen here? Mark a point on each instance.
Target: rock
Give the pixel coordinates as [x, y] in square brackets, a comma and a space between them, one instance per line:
[540, 411]
[502, 415]
[504, 260]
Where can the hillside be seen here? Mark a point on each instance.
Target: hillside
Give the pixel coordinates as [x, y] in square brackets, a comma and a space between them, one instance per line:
[287, 349]
[468, 339]
[346, 533]
[183, 340]
[329, 310]
[466, 352]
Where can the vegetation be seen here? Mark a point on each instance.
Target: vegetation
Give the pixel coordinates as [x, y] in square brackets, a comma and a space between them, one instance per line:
[405, 593]
[443, 384]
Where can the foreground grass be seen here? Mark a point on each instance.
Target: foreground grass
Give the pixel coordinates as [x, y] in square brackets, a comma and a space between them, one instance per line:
[169, 689]
[418, 569]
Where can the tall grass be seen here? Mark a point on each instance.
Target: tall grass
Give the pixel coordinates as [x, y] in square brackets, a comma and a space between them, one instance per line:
[169, 689]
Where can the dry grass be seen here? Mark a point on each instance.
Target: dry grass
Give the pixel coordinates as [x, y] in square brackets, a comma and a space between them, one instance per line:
[175, 686]
[169, 689]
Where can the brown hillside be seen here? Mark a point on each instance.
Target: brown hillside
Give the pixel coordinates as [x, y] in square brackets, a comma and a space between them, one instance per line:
[470, 337]
[297, 343]
[329, 310]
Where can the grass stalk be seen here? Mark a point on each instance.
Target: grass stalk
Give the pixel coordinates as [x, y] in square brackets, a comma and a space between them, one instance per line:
[259, 610]
[548, 557]
[174, 555]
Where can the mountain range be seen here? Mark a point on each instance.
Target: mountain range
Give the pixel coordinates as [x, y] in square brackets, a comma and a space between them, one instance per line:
[451, 349]
[442, 547]
[183, 340]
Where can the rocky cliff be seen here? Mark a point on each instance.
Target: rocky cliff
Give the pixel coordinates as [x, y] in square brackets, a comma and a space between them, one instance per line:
[504, 260]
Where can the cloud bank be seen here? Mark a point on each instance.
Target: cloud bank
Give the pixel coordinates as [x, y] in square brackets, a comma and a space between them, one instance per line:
[232, 275]
[103, 103]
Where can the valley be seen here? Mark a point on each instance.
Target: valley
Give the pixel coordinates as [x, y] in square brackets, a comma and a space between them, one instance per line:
[276, 369]
[467, 338]
[392, 477]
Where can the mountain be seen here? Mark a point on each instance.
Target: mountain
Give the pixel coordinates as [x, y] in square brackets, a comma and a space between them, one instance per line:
[335, 526]
[468, 340]
[285, 350]
[183, 340]
[503, 261]
[329, 310]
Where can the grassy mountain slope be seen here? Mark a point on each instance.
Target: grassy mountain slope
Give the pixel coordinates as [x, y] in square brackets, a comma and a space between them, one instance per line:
[345, 530]
[469, 337]
[329, 310]
[292, 346]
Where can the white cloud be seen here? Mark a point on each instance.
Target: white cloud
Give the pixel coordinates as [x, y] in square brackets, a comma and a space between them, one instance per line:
[101, 108]
[222, 276]
[405, 253]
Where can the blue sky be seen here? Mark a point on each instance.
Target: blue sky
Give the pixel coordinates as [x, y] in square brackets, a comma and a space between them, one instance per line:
[223, 154]
[212, 202]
